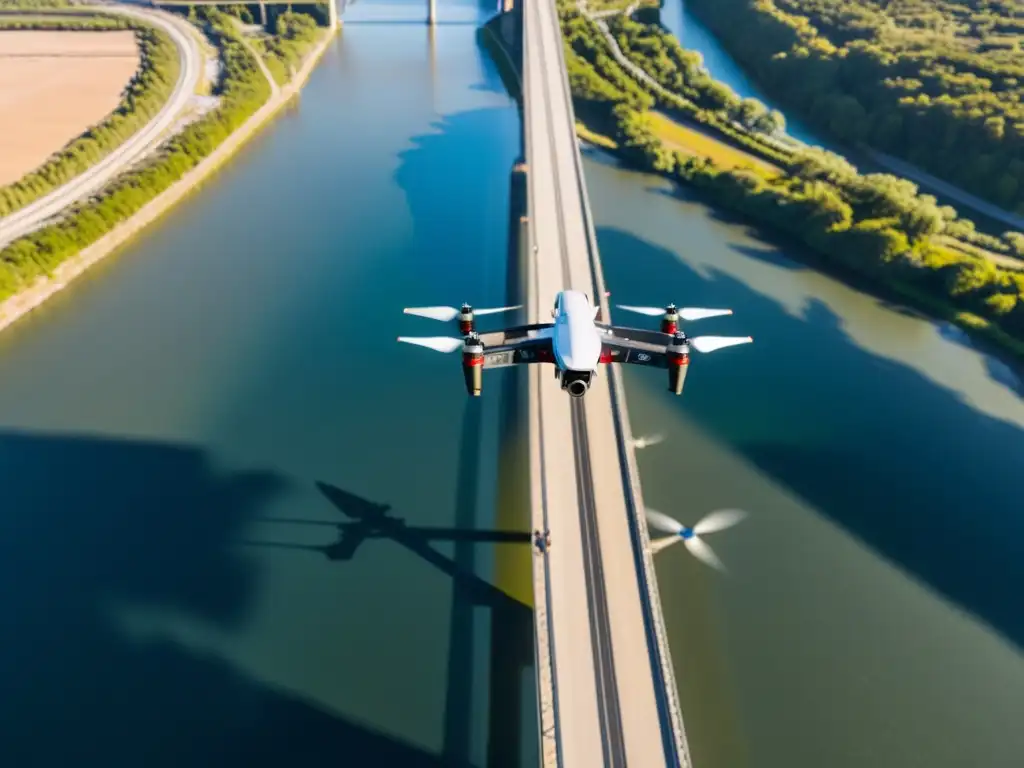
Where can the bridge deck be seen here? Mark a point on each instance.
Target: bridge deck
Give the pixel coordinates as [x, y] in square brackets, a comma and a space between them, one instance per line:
[605, 702]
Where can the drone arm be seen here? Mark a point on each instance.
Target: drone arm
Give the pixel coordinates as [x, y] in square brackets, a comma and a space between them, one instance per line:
[536, 349]
[630, 352]
[635, 334]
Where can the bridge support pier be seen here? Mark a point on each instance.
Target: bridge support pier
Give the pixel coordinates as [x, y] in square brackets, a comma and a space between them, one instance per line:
[333, 22]
[263, 15]
[431, 12]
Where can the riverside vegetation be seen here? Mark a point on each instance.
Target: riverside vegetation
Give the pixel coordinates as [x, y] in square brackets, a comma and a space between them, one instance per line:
[242, 90]
[294, 33]
[143, 98]
[939, 83]
[874, 226]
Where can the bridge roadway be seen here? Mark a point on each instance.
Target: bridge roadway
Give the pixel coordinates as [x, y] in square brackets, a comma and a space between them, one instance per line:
[604, 697]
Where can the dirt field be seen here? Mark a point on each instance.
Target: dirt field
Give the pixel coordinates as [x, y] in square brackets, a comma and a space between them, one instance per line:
[53, 86]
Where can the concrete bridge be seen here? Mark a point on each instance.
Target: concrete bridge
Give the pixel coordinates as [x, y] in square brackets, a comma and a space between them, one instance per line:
[336, 8]
[607, 691]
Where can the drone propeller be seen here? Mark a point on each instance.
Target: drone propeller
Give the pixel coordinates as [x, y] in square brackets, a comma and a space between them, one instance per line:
[711, 343]
[686, 313]
[445, 314]
[647, 441]
[439, 343]
[718, 520]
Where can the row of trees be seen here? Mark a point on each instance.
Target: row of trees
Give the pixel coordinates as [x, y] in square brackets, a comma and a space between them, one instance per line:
[876, 226]
[143, 97]
[242, 90]
[939, 83]
[673, 67]
[682, 72]
[294, 35]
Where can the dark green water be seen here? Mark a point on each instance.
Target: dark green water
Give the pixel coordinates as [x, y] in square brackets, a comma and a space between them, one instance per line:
[164, 425]
[873, 615]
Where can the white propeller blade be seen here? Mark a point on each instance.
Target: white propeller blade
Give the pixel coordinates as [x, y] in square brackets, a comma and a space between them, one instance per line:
[649, 311]
[718, 520]
[444, 314]
[694, 313]
[711, 343]
[686, 313]
[434, 313]
[493, 310]
[702, 551]
[440, 343]
[645, 442]
[663, 522]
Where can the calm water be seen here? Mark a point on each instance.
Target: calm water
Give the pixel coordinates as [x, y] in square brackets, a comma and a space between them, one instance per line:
[696, 37]
[166, 557]
[183, 431]
[872, 615]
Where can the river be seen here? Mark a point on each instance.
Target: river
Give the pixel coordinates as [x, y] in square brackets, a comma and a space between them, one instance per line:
[871, 615]
[183, 431]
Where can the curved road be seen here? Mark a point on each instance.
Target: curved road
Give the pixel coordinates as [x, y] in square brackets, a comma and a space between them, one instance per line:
[91, 181]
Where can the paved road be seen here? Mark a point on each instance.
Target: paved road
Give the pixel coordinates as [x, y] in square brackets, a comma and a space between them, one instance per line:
[32, 217]
[606, 707]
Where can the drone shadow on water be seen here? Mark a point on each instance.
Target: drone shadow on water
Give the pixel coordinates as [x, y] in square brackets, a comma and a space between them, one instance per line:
[89, 521]
[369, 520]
[916, 471]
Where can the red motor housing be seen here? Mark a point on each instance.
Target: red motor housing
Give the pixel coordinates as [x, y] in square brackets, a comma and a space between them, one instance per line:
[473, 364]
[670, 321]
[678, 354]
[466, 320]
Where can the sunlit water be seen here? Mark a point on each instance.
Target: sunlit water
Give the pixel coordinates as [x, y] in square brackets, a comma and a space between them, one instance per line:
[184, 430]
[166, 421]
[872, 611]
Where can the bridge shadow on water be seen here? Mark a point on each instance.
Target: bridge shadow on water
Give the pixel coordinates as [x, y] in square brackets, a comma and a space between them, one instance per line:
[88, 523]
[912, 469]
[369, 520]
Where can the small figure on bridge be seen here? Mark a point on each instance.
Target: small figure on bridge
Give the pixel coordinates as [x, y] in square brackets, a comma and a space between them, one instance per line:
[541, 542]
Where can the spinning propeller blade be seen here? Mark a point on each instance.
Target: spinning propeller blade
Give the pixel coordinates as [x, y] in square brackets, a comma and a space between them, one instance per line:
[695, 313]
[434, 313]
[440, 343]
[711, 343]
[649, 311]
[699, 549]
[444, 314]
[647, 441]
[718, 520]
[494, 310]
[686, 313]
[663, 522]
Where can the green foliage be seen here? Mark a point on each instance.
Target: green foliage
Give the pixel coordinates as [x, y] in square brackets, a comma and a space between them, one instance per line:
[294, 35]
[937, 83]
[242, 90]
[142, 98]
[21, 5]
[876, 225]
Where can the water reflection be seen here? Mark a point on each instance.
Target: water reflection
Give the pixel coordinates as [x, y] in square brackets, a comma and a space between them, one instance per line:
[147, 524]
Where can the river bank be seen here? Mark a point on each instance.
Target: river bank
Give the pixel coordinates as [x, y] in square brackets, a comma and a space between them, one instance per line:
[17, 306]
[859, 226]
